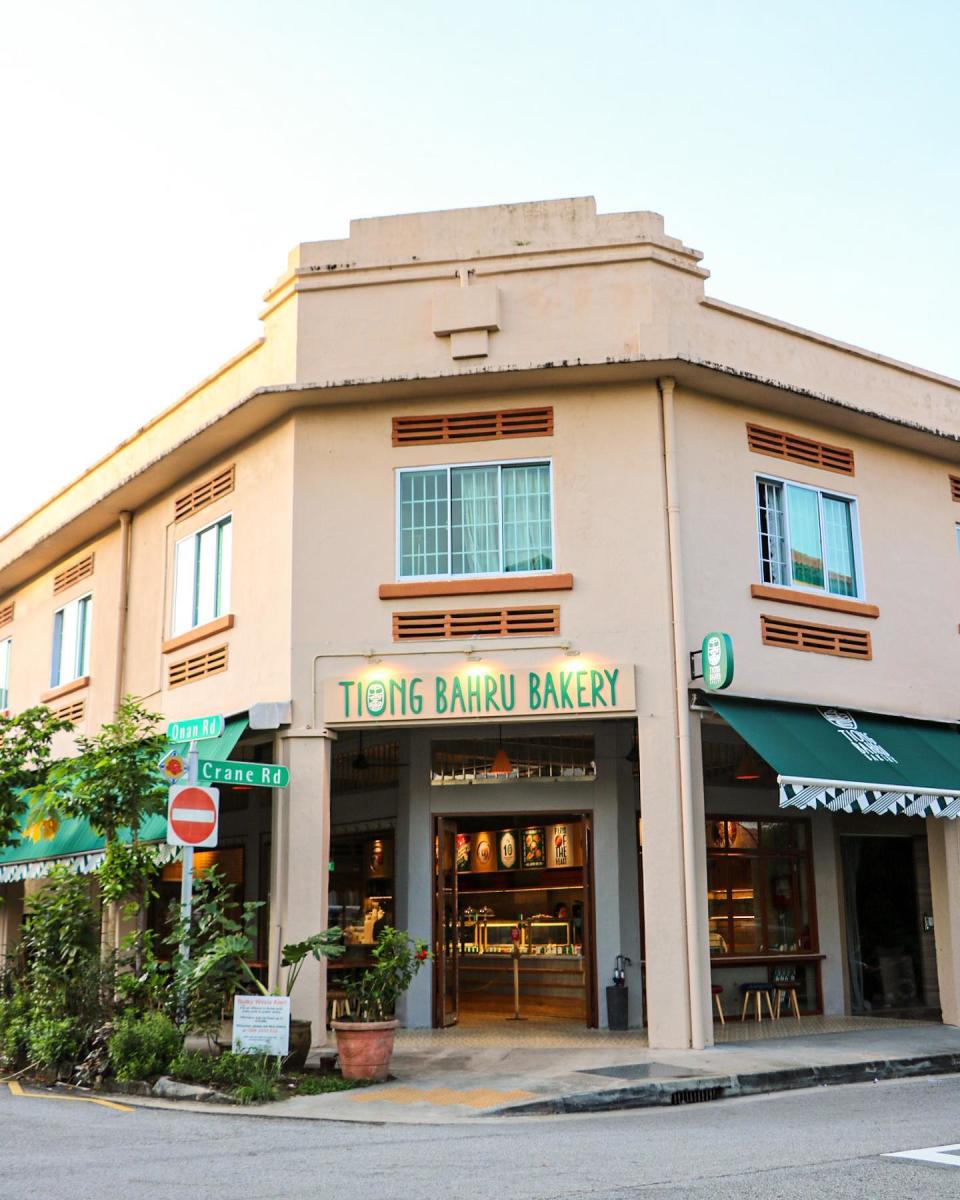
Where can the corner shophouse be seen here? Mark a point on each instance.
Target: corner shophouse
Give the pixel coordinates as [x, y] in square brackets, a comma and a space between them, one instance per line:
[442, 542]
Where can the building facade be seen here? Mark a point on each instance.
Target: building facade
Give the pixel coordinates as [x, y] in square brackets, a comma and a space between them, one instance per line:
[445, 541]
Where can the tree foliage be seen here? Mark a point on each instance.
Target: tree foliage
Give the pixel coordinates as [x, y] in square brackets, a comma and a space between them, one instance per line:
[25, 749]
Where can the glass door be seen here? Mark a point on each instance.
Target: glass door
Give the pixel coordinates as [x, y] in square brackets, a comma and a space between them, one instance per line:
[446, 977]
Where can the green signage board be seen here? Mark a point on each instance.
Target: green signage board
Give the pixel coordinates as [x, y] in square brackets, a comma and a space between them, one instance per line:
[197, 729]
[269, 775]
[717, 663]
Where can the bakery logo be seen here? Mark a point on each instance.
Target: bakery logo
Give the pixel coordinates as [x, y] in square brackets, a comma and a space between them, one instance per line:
[376, 699]
[846, 724]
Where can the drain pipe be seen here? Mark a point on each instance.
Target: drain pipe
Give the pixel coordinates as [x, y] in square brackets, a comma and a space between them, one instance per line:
[126, 520]
[680, 660]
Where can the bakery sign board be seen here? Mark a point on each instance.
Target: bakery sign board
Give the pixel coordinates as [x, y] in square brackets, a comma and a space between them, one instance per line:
[577, 688]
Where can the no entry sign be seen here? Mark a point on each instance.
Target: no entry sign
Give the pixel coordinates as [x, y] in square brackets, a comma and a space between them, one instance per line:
[192, 815]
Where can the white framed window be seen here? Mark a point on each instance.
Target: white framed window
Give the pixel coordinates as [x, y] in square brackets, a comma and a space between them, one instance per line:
[201, 580]
[5, 647]
[474, 519]
[71, 641]
[809, 538]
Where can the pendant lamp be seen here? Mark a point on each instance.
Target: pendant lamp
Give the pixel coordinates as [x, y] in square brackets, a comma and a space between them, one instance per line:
[501, 764]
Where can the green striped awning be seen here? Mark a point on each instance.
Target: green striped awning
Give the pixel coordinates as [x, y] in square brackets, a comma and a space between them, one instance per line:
[76, 844]
[851, 761]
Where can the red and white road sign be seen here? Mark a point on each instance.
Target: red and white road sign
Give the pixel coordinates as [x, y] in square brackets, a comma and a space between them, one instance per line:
[193, 815]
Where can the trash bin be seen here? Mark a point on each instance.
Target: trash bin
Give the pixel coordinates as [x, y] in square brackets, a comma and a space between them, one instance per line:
[617, 1007]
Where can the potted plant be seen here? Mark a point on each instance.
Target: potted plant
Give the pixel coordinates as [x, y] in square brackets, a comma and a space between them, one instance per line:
[365, 1038]
[325, 944]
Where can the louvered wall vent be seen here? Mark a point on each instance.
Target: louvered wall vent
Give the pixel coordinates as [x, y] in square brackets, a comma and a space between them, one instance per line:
[779, 444]
[6, 614]
[71, 712]
[66, 578]
[476, 622]
[955, 487]
[472, 427]
[820, 639]
[205, 493]
[198, 666]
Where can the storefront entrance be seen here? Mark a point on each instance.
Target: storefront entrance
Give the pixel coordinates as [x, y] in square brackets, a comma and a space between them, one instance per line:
[884, 956]
[513, 918]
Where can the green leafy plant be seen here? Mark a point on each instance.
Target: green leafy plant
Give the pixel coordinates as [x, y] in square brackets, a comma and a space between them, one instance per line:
[397, 957]
[250, 1078]
[114, 784]
[317, 1085]
[53, 1042]
[263, 1076]
[235, 949]
[25, 749]
[141, 1046]
[210, 977]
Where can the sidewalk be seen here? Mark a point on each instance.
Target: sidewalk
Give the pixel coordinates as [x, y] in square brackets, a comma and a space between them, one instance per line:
[532, 1070]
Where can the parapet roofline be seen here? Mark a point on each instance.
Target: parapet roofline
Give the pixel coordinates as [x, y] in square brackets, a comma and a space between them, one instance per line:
[265, 406]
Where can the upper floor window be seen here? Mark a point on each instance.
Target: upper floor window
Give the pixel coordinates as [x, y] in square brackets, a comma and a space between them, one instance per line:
[809, 538]
[71, 641]
[487, 519]
[201, 588]
[5, 647]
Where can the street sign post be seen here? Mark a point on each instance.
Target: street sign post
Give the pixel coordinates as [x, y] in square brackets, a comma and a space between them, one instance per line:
[192, 815]
[268, 775]
[197, 729]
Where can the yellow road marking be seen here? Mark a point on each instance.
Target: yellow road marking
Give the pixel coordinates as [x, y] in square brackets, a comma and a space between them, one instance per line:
[17, 1090]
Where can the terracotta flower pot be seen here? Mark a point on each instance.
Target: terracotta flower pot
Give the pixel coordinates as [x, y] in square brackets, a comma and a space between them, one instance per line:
[365, 1047]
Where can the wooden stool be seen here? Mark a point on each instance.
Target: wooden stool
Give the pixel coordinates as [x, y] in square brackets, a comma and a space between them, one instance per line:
[716, 989]
[756, 990]
[787, 987]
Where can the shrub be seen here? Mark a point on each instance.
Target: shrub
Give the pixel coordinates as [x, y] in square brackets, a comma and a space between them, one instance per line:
[54, 1042]
[192, 1067]
[142, 1046]
[14, 1029]
[262, 1076]
[316, 1085]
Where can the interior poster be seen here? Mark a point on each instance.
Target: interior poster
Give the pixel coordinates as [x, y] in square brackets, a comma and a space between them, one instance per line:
[533, 847]
[507, 849]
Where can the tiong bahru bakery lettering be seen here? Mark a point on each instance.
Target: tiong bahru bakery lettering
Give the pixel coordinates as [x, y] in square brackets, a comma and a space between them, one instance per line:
[381, 695]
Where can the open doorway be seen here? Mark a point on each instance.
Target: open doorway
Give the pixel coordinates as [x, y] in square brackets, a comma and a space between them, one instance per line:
[513, 881]
[884, 960]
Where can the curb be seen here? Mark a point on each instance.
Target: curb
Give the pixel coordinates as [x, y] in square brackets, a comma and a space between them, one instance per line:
[673, 1092]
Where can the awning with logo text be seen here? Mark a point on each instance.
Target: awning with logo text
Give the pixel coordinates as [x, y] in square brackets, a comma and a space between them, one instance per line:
[851, 761]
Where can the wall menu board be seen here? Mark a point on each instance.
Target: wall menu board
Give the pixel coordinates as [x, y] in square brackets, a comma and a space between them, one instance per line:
[534, 853]
[484, 856]
[507, 849]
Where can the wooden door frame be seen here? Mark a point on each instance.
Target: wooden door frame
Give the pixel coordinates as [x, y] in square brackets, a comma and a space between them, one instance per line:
[440, 826]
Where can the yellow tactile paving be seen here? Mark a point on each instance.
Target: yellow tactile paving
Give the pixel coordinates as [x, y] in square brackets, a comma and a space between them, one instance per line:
[442, 1096]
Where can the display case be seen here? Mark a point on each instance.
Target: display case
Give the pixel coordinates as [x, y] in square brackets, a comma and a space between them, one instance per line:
[547, 937]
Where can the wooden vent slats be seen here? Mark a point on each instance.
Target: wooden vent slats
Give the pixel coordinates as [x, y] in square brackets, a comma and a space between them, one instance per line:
[955, 487]
[71, 712]
[81, 569]
[6, 614]
[205, 493]
[819, 639]
[780, 444]
[472, 427]
[198, 666]
[476, 622]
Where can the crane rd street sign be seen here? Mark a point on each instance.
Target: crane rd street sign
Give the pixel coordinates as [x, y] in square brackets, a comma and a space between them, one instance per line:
[197, 729]
[269, 775]
[192, 815]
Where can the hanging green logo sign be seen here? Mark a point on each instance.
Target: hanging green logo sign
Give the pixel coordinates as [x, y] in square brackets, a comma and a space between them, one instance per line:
[717, 665]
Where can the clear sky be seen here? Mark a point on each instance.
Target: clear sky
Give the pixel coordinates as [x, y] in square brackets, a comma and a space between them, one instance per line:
[159, 160]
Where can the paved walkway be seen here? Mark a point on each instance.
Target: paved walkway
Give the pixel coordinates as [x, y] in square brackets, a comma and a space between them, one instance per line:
[496, 1069]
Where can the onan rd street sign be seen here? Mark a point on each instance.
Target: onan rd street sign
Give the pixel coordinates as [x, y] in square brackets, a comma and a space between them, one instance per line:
[269, 775]
[197, 729]
[192, 815]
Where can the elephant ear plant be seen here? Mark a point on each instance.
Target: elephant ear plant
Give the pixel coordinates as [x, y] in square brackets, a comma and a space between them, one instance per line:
[234, 948]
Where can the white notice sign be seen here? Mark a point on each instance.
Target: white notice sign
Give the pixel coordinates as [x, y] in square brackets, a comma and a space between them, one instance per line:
[261, 1024]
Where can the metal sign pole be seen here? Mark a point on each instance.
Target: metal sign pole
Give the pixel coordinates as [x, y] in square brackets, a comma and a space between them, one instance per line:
[186, 881]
